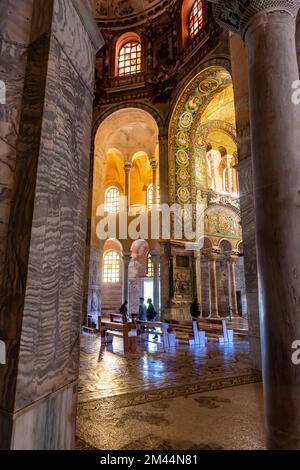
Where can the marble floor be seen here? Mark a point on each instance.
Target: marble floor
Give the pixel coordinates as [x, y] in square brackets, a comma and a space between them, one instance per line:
[188, 398]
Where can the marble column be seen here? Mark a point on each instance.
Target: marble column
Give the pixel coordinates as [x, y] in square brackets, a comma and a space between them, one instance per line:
[213, 286]
[127, 169]
[165, 278]
[154, 166]
[156, 287]
[126, 262]
[198, 257]
[232, 285]
[95, 270]
[51, 47]
[163, 169]
[269, 32]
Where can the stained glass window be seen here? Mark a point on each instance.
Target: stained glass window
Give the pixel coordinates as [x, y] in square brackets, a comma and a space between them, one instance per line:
[112, 200]
[130, 58]
[112, 267]
[196, 18]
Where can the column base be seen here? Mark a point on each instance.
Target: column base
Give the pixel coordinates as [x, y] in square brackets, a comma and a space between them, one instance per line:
[48, 424]
[279, 440]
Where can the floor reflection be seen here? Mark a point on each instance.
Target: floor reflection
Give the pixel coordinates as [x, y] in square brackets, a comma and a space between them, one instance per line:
[108, 372]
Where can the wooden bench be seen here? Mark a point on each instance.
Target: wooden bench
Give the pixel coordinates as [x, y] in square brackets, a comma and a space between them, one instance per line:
[188, 331]
[216, 328]
[118, 318]
[167, 335]
[127, 331]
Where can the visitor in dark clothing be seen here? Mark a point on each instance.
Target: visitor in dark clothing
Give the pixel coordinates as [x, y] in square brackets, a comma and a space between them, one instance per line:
[195, 310]
[124, 312]
[151, 313]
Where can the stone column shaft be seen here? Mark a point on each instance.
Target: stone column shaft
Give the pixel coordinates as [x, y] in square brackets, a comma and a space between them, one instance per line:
[198, 257]
[127, 168]
[213, 286]
[275, 120]
[156, 262]
[126, 262]
[232, 285]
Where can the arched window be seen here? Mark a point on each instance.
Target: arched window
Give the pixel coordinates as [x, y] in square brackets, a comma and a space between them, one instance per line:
[112, 267]
[150, 195]
[112, 200]
[196, 18]
[150, 268]
[129, 56]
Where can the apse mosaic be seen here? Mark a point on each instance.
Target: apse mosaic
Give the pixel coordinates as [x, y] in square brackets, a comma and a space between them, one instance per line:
[187, 114]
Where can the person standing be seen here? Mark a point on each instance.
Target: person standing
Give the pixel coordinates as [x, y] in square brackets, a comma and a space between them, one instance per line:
[124, 311]
[151, 314]
[195, 310]
[142, 310]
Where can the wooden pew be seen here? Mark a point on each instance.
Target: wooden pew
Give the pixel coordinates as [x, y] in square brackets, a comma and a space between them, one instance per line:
[127, 331]
[168, 336]
[216, 328]
[118, 318]
[188, 331]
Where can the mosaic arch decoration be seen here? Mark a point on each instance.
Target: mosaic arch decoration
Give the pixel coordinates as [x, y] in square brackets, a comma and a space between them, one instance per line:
[184, 122]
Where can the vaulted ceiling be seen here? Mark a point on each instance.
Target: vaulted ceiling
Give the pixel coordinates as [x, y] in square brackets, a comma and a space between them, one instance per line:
[113, 9]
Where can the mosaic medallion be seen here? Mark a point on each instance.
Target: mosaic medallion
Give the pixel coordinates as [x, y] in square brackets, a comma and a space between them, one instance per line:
[186, 120]
[194, 103]
[182, 139]
[182, 158]
[209, 85]
[183, 177]
[183, 195]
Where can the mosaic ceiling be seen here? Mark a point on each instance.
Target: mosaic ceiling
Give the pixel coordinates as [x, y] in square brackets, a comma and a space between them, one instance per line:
[123, 8]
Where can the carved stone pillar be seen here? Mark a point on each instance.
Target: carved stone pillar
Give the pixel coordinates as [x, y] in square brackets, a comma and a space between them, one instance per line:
[213, 286]
[232, 285]
[268, 28]
[156, 262]
[126, 262]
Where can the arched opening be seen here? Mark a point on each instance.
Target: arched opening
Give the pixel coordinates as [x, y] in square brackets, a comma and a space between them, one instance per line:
[193, 17]
[128, 54]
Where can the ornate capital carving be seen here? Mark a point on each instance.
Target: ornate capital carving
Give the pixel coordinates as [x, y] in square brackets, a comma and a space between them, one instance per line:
[236, 14]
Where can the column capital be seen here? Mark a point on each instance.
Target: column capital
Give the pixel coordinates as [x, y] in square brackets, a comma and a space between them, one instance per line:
[127, 166]
[155, 257]
[126, 256]
[153, 163]
[213, 255]
[236, 15]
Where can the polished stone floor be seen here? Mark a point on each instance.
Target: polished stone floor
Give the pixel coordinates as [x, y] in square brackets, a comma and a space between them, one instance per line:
[190, 397]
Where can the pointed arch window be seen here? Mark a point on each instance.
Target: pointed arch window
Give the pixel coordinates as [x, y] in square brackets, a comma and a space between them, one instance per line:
[196, 18]
[112, 267]
[112, 200]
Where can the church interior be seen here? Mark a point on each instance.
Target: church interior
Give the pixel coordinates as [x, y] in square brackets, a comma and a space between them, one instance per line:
[149, 225]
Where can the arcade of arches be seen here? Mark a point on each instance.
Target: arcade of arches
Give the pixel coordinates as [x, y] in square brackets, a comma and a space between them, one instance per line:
[190, 109]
